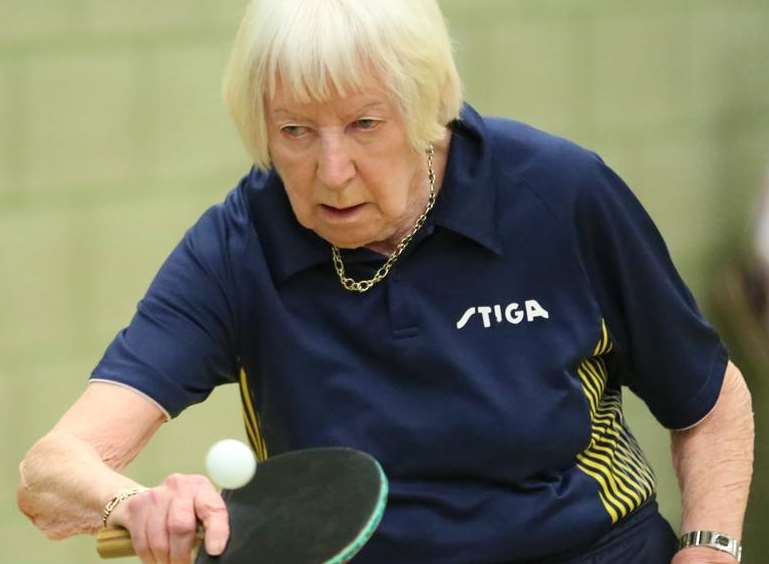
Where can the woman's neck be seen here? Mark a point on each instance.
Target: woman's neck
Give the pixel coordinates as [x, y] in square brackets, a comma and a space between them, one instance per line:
[440, 157]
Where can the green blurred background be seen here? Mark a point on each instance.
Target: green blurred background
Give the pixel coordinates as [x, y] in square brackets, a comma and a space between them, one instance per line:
[113, 139]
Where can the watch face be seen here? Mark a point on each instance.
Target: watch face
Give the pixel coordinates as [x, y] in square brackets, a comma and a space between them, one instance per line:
[721, 540]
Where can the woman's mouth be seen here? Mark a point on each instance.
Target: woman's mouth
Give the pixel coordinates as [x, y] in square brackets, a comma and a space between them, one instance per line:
[340, 214]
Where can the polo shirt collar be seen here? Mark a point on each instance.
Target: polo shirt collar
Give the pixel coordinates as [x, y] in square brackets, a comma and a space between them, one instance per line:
[466, 205]
[467, 201]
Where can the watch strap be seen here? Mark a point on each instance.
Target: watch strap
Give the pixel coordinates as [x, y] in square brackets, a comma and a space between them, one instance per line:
[712, 539]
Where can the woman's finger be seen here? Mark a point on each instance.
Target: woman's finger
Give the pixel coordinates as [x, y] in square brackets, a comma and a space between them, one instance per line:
[155, 525]
[181, 524]
[134, 519]
[212, 512]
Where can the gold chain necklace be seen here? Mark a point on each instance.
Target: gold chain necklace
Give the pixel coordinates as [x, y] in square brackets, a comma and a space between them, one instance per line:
[361, 286]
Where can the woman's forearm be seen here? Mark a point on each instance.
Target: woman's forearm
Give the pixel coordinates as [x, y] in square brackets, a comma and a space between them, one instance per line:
[71, 473]
[64, 485]
[714, 462]
[67, 476]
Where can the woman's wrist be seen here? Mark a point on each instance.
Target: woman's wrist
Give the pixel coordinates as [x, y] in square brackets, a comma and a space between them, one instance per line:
[116, 500]
[713, 540]
[702, 555]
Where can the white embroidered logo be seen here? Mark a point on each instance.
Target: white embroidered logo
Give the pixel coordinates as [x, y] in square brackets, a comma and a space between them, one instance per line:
[511, 313]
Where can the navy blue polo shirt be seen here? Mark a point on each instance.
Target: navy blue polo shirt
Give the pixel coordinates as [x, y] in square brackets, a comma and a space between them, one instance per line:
[485, 372]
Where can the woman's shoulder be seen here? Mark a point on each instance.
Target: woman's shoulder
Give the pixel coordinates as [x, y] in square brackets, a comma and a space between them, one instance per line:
[228, 218]
[557, 170]
[226, 229]
[536, 153]
[244, 207]
[254, 227]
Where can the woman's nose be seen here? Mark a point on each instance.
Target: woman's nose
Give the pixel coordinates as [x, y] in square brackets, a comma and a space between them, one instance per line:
[335, 164]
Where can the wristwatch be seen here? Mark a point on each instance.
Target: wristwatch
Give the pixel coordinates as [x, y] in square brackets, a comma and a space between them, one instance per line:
[714, 540]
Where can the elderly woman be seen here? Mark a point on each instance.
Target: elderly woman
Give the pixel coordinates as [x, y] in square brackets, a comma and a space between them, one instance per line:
[461, 297]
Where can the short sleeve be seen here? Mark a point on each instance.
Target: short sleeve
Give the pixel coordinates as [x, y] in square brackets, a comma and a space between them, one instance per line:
[667, 353]
[181, 342]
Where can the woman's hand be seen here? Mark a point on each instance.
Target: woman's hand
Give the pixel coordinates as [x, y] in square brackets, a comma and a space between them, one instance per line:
[163, 520]
[702, 555]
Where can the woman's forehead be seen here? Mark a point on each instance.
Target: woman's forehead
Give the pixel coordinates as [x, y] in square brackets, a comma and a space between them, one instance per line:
[369, 96]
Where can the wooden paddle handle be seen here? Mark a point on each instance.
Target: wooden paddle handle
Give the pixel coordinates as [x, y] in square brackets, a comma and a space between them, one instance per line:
[115, 542]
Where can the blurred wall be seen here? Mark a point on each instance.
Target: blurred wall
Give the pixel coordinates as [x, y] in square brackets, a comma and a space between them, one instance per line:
[113, 140]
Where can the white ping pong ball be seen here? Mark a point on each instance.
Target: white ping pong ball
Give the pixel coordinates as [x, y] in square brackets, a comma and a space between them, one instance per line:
[230, 464]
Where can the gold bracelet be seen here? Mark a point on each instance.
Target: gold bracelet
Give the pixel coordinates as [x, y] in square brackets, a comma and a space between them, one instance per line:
[117, 500]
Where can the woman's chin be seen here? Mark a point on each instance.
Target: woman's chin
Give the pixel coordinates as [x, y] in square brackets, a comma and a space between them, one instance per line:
[346, 243]
[347, 239]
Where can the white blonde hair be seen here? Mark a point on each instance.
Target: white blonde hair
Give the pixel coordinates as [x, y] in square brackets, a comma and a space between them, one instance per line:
[319, 48]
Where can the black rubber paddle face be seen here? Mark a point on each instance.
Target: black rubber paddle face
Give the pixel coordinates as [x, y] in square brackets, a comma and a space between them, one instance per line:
[304, 507]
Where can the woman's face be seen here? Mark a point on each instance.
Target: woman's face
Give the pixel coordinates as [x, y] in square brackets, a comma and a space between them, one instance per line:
[349, 171]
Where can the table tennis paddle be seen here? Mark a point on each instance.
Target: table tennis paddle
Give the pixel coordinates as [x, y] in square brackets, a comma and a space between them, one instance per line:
[310, 506]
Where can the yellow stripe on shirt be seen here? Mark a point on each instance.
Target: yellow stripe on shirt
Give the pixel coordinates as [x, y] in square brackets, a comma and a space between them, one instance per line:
[251, 420]
[613, 457]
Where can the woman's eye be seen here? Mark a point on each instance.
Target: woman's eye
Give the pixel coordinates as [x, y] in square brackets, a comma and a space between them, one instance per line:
[366, 124]
[294, 130]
